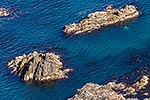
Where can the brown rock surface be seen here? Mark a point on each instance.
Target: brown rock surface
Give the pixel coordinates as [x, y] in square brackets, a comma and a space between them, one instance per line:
[39, 67]
[127, 87]
[4, 12]
[93, 91]
[101, 19]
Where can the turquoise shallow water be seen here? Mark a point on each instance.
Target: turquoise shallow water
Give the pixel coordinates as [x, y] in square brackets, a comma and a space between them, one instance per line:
[94, 57]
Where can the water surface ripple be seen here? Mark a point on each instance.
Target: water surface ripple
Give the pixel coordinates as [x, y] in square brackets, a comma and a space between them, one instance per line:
[94, 57]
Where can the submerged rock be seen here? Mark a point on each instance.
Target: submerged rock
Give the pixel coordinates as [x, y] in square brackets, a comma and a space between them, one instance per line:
[135, 86]
[39, 67]
[4, 12]
[101, 19]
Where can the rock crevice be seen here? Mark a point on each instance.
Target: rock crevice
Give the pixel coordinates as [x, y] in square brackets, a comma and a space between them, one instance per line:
[39, 67]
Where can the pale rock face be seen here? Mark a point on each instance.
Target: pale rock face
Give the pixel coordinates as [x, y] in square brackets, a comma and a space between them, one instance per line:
[4, 12]
[101, 19]
[96, 92]
[147, 99]
[39, 67]
[142, 83]
[122, 88]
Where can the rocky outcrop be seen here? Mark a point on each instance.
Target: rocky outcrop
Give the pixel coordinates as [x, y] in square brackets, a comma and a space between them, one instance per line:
[101, 19]
[135, 86]
[4, 12]
[93, 91]
[39, 67]
[147, 99]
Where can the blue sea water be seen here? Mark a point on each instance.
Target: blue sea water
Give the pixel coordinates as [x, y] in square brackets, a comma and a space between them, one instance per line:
[95, 57]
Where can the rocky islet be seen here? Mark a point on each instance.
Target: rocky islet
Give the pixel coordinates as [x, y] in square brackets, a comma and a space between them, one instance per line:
[39, 67]
[4, 12]
[100, 19]
[134, 86]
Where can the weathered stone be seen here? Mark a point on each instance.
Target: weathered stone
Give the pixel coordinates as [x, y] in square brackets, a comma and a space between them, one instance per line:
[39, 67]
[147, 99]
[101, 19]
[4, 12]
[125, 87]
[142, 83]
[96, 92]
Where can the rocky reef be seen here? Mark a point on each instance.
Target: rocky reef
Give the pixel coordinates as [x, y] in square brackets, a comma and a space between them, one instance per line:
[100, 19]
[4, 12]
[39, 67]
[134, 86]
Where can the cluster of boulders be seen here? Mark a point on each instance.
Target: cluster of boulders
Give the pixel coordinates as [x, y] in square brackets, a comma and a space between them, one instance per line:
[101, 19]
[39, 67]
[135, 86]
[4, 12]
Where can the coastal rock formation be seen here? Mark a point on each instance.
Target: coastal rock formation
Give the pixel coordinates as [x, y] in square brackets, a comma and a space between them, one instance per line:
[93, 91]
[135, 86]
[39, 67]
[4, 12]
[101, 19]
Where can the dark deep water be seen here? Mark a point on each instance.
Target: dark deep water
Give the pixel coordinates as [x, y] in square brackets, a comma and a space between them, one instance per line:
[94, 57]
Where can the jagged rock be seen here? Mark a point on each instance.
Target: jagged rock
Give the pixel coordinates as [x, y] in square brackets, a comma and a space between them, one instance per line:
[96, 92]
[147, 99]
[128, 87]
[39, 67]
[142, 83]
[4, 12]
[101, 19]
